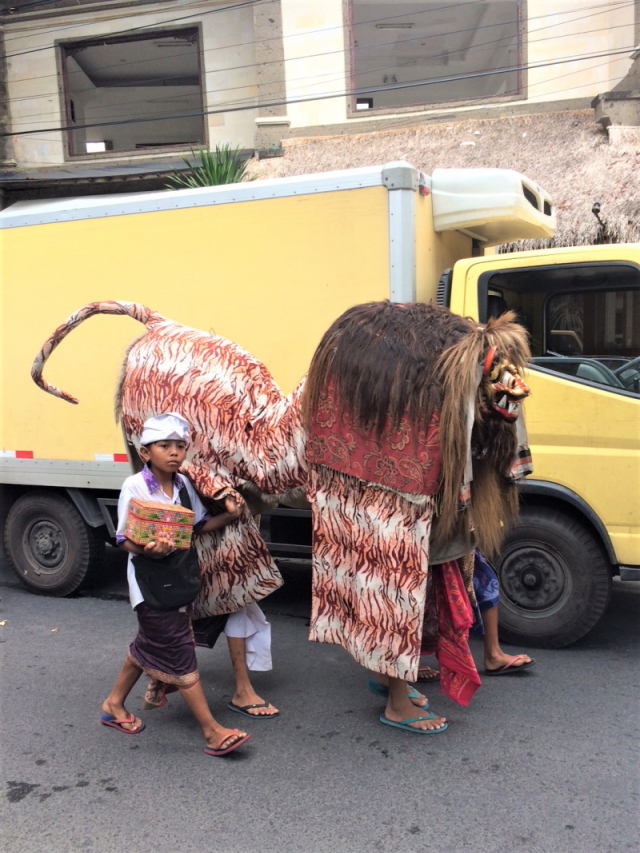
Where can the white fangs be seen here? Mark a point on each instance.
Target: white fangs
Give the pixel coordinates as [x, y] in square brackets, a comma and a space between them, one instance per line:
[502, 403]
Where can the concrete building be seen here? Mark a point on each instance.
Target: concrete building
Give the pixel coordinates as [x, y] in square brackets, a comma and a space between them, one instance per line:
[104, 95]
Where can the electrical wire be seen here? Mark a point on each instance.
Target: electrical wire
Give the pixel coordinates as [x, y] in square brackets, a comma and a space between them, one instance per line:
[283, 81]
[606, 6]
[308, 84]
[8, 9]
[330, 96]
[603, 7]
[238, 5]
[415, 119]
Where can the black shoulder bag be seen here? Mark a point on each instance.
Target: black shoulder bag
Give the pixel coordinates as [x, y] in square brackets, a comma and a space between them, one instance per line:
[170, 582]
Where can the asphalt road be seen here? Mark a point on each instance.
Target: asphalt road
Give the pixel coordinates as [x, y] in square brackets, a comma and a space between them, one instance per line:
[544, 762]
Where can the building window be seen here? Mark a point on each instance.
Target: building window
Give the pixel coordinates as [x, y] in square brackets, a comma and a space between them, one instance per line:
[398, 45]
[115, 87]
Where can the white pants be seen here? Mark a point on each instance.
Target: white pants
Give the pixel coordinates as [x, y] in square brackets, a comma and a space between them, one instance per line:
[251, 624]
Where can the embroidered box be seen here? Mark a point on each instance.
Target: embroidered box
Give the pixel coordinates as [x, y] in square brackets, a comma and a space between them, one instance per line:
[146, 520]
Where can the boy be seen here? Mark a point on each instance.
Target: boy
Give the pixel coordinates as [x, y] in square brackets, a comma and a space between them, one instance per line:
[164, 647]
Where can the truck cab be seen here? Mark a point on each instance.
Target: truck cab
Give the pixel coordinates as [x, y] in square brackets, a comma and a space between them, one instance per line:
[580, 521]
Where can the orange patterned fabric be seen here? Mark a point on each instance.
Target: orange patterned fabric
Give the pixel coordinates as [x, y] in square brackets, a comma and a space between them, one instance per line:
[370, 565]
[243, 428]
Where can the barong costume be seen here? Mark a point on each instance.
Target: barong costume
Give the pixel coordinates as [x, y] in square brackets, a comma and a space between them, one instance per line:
[381, 468]
[373, 511]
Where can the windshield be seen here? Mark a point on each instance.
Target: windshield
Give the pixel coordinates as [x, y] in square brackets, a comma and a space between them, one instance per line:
[583, 319]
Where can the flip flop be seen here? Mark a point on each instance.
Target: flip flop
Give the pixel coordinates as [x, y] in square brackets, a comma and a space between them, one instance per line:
[217, 750]
[156, 694]
[380, 690]
[405, 724]
[509, 668]
[110, 720]
[430, 675]
[243, 709]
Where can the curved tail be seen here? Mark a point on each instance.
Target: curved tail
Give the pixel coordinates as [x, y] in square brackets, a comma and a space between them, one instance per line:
[131, 309]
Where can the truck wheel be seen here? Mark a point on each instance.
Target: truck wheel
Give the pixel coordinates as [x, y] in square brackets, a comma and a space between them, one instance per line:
[52, 550]
[555, 581]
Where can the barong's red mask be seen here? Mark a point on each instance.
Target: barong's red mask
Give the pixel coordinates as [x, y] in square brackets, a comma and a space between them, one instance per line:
[503, 385]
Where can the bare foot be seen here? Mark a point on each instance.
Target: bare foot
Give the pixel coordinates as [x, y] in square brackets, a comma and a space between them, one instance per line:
[405, 710]
[419, 699]
[119, 712]
[248, 696]
[500, 659]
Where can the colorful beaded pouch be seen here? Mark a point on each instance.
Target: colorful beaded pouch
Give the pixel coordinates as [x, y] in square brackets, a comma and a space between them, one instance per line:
[147, 520]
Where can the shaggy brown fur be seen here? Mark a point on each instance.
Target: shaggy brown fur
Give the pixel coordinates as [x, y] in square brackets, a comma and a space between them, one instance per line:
[382, 357]
[390, 361]
[494, 498]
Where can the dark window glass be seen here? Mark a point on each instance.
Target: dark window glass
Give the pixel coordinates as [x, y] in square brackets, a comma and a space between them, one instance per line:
[395, 43]
[583, 320]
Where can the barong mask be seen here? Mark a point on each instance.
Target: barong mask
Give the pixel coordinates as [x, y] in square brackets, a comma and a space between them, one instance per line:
[503, 385]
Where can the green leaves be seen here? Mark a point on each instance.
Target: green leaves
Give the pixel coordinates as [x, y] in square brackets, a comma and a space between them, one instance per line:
[224, 165]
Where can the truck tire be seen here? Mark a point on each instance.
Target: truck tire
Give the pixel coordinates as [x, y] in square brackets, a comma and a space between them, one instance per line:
[51, 548]
[555, 581]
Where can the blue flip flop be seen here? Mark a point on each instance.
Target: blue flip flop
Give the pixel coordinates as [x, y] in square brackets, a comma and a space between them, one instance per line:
[405, 724]
[380, 690]
[110, 720]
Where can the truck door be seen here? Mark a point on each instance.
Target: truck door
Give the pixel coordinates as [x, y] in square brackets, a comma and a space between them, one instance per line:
[581, 507]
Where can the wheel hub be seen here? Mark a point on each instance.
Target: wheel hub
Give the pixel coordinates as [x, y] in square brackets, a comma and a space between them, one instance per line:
[47, 543]
[534, 578]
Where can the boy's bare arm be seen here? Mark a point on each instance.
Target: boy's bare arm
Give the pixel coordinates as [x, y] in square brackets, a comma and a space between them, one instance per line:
[233, 510]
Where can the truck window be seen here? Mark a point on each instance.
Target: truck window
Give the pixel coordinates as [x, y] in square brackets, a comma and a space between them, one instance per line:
[583, 319]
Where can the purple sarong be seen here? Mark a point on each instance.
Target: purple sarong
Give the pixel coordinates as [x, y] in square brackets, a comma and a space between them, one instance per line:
[164, 647]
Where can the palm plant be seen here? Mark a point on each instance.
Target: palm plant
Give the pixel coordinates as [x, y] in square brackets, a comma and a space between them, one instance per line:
[224, 165]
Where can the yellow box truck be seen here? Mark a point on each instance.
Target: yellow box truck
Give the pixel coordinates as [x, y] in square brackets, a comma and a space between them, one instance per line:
[269, 265]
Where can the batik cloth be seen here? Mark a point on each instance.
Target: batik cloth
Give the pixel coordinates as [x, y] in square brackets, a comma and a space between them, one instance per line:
[164, 646]
[448, 618]
[406, 458]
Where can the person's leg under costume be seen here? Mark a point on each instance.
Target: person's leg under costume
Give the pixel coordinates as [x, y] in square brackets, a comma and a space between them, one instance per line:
[496, 661]
[249, 639]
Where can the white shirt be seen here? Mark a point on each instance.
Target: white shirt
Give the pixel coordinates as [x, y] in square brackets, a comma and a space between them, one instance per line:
[145, 487]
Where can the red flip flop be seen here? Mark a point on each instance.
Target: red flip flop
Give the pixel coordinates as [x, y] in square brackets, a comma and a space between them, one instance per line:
[509, 668]
[220, 750]
[110, 720]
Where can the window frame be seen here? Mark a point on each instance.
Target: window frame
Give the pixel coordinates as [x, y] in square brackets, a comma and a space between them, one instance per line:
[62, 48]
[350, 74]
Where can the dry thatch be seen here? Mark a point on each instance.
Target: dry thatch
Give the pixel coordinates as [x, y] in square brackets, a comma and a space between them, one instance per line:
[566, 153]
